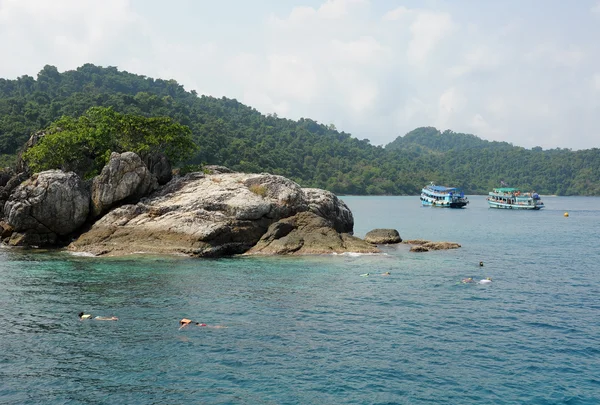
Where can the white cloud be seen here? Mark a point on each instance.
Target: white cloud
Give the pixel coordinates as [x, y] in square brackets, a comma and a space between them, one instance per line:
[556, 56]
[365, 50]
[512, 73]
[396, 14]
[292, 76]
[427, 29]
[477, 59]
[596, 81]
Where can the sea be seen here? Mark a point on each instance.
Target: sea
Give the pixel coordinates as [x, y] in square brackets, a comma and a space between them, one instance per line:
[318, 329]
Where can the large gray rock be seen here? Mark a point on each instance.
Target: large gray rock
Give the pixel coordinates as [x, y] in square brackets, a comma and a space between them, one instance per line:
[125, 178]
[327, 205]
[50, 204]
[307, 233]
[200, 215]
[383, 236]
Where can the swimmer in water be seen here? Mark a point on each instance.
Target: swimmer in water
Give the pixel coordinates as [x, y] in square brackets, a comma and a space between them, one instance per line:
[84, 316]
[467, 280]
[480, 264]
[387, 273]
[365, 275]
[187, 322]
[485, 281]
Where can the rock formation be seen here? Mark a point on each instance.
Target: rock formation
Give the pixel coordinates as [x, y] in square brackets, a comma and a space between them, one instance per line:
[159, 165]
[327, 205]
[420, 245]
[383, 236]
[48, 205]
[207, 216]
[125, 178]
[308, 233]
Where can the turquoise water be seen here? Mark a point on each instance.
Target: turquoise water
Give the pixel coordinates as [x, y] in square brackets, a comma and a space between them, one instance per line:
[311, 330]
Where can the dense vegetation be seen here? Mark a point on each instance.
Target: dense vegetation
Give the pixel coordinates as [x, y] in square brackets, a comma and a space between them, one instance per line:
[315, 155]
[84, 144]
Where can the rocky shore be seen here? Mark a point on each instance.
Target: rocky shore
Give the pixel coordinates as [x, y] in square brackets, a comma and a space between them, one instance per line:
[129, 208]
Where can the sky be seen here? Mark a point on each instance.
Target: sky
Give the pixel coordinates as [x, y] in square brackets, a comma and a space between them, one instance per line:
[521, 71]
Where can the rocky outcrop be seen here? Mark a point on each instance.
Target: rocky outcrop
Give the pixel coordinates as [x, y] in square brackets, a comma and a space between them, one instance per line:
[383, 236]
[205, 216]
[5, 175]
[327, 205]
[125, 178]
[9, 187]
[420, 245]
[31, 142]
[307, 233]
[216, 169]
[159, 166]
[48, 205]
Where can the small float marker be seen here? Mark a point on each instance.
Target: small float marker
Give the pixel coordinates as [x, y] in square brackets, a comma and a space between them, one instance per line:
[566, 214]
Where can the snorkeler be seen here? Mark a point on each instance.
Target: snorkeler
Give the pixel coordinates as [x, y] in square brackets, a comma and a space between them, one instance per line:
[84, 316]
[467, 280]
[187, 322]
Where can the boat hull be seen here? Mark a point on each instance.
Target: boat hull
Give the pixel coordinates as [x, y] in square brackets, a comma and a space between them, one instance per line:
[494, 204]
[443, 204]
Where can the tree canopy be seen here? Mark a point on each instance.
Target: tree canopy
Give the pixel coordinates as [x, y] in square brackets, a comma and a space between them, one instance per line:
[313, 154]
[84, 144]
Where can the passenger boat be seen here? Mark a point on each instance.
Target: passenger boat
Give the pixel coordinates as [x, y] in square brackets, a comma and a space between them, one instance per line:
[443, 197]
[513, 198]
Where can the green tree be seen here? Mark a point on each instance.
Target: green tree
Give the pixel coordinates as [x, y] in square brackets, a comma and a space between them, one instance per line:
[84, 144]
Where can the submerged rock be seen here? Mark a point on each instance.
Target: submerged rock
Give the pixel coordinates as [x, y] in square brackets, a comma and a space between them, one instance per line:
[420, 245]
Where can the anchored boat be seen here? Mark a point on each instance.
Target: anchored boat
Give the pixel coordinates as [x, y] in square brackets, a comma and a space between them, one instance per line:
[513, 198]
[443, 197]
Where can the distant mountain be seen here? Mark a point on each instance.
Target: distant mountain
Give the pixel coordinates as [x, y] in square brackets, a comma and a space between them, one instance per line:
[232, 134]
[430, 138]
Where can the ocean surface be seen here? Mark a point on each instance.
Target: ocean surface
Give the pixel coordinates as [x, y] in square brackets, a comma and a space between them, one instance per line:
[312, 330]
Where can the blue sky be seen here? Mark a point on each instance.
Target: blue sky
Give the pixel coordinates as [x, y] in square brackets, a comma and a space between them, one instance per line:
[525, 72]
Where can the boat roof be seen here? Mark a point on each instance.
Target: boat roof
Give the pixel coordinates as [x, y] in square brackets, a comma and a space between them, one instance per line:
[506, 190]
[441, 188]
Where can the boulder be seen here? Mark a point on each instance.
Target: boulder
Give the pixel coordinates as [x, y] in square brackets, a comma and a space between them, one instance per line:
[307, 233]
[5, 230]
[383, 236]
[47, 205]
[125, 178]
[158, 164]
[327, 205]
[201, 215]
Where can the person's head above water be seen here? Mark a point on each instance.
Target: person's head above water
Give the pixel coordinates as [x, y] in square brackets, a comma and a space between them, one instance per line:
[82, 315]
[481, 264]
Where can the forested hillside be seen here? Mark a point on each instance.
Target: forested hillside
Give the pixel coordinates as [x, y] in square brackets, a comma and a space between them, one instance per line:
[231, 134]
